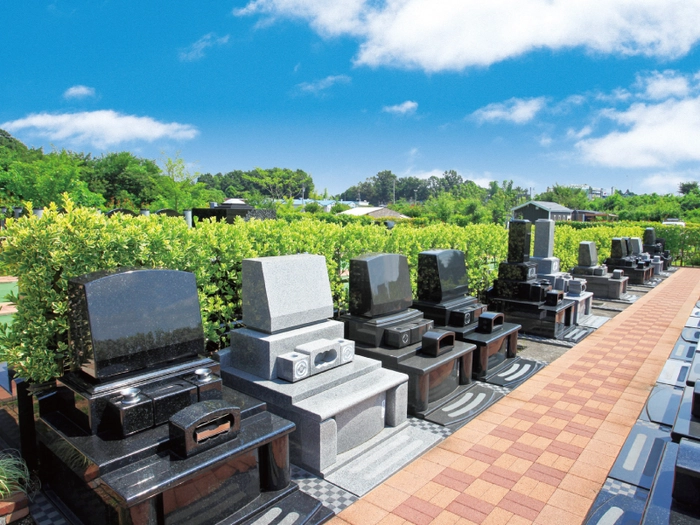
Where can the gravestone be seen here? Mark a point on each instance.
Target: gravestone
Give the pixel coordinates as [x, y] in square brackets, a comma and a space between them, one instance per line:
[603, 284]
[403, 339]
[449, 306]
[657, 247]
[639, 271]
[525, 299]
[548, 268]
[293, 357]
[157, 437]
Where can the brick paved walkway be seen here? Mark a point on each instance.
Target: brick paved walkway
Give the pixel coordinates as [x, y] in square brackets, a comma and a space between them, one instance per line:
[541, 454]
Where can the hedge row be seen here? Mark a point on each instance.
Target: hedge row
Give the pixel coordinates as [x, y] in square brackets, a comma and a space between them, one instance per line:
[44, 253]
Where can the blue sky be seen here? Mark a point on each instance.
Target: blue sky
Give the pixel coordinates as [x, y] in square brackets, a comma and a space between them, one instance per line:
[600, 92]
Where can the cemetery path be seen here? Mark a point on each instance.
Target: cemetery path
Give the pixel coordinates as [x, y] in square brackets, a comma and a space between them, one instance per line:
[542, 453]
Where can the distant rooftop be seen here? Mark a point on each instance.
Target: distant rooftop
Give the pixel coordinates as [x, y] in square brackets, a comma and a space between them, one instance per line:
[545, 205]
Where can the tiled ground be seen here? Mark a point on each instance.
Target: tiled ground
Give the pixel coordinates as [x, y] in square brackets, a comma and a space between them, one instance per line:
[542, 453]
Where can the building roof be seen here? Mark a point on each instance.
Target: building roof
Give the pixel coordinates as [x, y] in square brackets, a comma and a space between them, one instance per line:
[374, 212]
[545, 205]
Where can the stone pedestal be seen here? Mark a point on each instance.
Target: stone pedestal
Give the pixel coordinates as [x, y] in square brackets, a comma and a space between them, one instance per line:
[621, 258]
[295, 359]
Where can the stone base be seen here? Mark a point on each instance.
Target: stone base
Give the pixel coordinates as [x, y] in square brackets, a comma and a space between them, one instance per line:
[552, 322]
[583, 303]
[605, 287]
[135, 479]
[461, 406]
[513, 371]
[257, 352]
[335, 411]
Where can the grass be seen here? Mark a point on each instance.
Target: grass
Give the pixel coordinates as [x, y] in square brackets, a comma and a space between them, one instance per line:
[14, 475]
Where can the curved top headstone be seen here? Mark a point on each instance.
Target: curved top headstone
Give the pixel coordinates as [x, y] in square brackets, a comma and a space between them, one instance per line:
[285, 292]
[380, 284]
[442, 275]
[129, 319]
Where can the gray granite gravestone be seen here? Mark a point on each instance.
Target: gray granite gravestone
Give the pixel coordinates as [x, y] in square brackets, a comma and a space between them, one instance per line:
[603, 284]
[548, 268]
[293, 357]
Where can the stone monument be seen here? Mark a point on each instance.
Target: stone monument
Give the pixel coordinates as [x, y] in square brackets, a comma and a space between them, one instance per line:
[384, 327]
[442, 297]
[603, 284]
[525, 299]
[143, 431]
[621, 258]
[346, 407]
[657, 247]
[548, 268]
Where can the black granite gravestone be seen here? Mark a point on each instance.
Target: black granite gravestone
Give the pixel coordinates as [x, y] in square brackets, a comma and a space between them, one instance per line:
[142, 431]
[442, 297]
[385, 328]
[656, 246]
[524, 299]
[622, 258]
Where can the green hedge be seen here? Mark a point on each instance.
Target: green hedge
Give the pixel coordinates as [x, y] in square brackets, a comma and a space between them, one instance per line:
[44, 253]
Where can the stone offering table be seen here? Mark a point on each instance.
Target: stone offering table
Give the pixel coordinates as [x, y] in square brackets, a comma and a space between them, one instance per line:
[442, 297]
[347, 408]
[144, 432]
[523, 298]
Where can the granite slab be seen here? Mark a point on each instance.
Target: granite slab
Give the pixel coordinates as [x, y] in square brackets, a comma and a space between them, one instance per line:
[640, 455]
[674, 373]
[683, 350]
[662, 406]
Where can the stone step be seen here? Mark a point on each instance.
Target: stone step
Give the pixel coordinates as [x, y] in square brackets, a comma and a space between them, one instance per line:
[361, 469]
[348, 394]
[513, 371]
[465, 404]
[295, 509]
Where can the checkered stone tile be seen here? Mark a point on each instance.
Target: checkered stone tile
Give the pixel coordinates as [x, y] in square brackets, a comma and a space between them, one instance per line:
[43, 511]
[332, 496]
[502, 389]
[616, 487]
[422, 424]
[649, 424]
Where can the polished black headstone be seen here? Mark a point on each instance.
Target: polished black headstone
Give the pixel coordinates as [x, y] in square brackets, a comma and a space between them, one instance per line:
[694, 372]
[686, 482]
[127, 320]
[380, 284]
[442, 275]
[519, 240]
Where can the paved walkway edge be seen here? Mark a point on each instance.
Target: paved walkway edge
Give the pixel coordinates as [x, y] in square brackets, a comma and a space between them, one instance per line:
[542, 453]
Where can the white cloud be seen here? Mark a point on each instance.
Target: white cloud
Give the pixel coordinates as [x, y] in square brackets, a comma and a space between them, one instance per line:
[196, 50]
[79, 92]
[516, 110]
[659, 86]
[405, 108]
[545, 141]
[323, 84]
[578, 135]
[656, 135]
[438, 35]
[667, 182]
[424, 174]
[100, 128]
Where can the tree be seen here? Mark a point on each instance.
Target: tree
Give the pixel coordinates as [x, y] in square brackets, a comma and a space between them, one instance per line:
[124, 178]
[178, 188]
[684, 188]
[573, 198]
